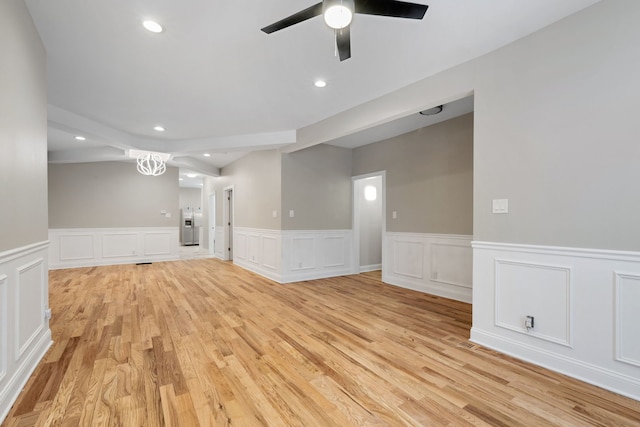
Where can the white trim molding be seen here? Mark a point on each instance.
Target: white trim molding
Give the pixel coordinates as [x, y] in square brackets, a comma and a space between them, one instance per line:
[438, 264]
[527, 288]
[584, 302]
[88, 247]
[626, 309]
[25, 336]
[287, 256]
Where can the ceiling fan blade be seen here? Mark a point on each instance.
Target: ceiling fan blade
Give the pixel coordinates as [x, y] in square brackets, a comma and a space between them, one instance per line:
[396, 9]
[296, 18]
[343, 41]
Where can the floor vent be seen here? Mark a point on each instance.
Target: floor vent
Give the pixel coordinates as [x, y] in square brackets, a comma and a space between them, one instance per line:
[467, 344]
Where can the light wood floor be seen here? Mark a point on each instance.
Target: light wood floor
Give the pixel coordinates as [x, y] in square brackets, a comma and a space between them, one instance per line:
[202, 342]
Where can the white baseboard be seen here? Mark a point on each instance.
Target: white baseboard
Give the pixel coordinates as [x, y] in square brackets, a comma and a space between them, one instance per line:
[372, 267]
[584, 302]
[88, 247]
[610, 380]
[24, 298]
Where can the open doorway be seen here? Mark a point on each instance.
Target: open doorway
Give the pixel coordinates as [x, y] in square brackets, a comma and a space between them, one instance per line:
[228, 223]
[368, 221]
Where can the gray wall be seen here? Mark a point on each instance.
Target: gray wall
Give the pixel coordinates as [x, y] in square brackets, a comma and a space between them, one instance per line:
[429, 177]
[111, 195]
[23, 129]
[555, 130]
[256, 181]
[316, 185]
[557, 134]
[191, 198]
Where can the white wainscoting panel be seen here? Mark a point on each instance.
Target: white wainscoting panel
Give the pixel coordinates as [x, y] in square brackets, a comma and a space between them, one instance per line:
[291, 256]
[119, 245]
[334, 252]
[240, 246]
[254, 251]
[316, 254]
[584, 301]
[270, 252]
[76, 246]
[539, 290]
[627, 314]
[4, 285]
[24, 331]
[257, 250]
[451, 263]
[438, 264]
[30, 304]
[157, 243]
[87, 247]
[408, 257]
[303, 254]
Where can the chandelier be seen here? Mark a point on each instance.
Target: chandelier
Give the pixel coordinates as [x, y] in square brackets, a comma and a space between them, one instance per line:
[149, 162]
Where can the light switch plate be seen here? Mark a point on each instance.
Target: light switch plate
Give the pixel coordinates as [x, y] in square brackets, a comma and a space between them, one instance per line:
[500, 206]
[291, 213]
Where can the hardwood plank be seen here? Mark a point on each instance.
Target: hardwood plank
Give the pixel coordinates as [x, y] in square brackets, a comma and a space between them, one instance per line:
[203, 342]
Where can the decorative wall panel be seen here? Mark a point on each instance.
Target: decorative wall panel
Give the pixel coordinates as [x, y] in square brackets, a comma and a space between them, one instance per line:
[538, 290]
[627, 310]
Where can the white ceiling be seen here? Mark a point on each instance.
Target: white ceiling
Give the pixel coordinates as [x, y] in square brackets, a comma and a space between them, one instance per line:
[221, 86]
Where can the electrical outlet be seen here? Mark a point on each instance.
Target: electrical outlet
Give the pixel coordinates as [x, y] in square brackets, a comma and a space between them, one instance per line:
[528, 323]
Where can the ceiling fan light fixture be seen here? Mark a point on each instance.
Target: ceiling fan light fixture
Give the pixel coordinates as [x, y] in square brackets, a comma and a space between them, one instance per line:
[338, 13]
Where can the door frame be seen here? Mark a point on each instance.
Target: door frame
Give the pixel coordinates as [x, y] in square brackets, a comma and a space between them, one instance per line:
[228, 222]
[355, 253]
[212, 223]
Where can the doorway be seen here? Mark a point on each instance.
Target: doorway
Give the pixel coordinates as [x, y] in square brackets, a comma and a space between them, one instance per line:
[212, 223]
[369, 223]
[228, 223]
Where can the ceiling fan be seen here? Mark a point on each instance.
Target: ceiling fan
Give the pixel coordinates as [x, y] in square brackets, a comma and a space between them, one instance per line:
[339, 13]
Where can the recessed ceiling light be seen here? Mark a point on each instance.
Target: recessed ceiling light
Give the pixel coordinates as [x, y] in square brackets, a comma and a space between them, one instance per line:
[320, 83]
[81, 138]
[152, 26]
[191, 175]
[181, 179]
[159, 128]
[207, 155]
